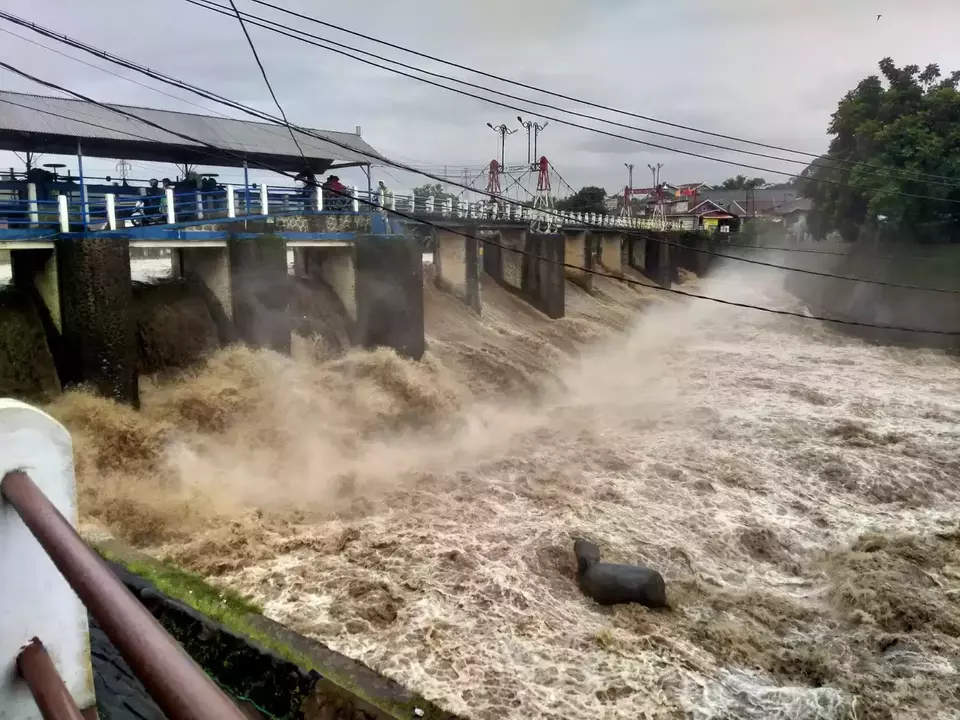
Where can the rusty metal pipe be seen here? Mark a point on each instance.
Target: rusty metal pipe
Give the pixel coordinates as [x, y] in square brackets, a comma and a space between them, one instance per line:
[174, 681]
[47, 687]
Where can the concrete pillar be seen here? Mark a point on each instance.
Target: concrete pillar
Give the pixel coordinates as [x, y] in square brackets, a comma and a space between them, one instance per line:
[457, 259]
[492, 257]
[96, 301]
[36, 271]
[210, 268]
[38, 601]
[543, 276]
[636, 252]
[336, 266]
[576, 253]
[511, 267]
[389, 274]
[611, 256]
[261, 291]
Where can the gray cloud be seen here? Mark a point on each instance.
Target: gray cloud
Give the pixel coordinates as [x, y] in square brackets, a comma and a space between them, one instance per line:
[771, 71]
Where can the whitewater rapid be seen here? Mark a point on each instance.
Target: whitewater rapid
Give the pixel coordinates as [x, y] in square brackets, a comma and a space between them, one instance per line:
[420, 518]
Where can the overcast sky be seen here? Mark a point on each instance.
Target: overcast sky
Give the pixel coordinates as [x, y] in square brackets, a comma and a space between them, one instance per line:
[767, 70]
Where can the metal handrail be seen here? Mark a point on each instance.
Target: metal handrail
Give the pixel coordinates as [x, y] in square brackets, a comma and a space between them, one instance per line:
[173, 679]
[47, 687]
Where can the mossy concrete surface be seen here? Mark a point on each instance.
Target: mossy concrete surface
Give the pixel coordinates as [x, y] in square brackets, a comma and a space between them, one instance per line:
[241, 649]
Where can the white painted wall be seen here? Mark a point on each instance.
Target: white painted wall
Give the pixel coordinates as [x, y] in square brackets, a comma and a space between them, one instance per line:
[35, 600]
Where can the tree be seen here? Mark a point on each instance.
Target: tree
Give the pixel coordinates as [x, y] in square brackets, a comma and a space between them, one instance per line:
[741, 182]
[435, 189]
[900, 125]
[590, 199]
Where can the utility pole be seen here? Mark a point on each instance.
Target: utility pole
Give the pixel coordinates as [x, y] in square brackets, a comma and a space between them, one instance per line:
[658, 216]
[628, 195]
[533, 132]
[502, 131]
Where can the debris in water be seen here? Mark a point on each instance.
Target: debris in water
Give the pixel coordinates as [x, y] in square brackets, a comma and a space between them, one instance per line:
[611, 584]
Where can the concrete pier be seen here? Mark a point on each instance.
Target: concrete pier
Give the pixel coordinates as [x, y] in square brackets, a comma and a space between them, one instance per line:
[389, 286]
[336, 267]
[636, 253]
[510, 272]
[261, 291]
[577, 253]
[611, 252]
[457, 260]
[543, 277]
[96, 299]
[209, 265]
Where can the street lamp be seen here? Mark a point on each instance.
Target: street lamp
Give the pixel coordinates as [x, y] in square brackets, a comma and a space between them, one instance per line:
[502, 131]
[534, 129]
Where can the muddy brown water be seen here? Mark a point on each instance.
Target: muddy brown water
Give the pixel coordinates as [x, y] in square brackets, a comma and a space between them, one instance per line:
[799, 489]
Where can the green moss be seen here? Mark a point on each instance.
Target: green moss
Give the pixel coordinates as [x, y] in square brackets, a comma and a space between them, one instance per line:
[235, 612]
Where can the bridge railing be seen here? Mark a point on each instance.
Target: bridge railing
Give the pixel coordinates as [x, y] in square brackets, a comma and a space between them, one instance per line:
[170, 206]
[52, 578]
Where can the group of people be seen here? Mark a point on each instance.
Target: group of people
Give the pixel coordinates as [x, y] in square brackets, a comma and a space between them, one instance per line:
[336, 195]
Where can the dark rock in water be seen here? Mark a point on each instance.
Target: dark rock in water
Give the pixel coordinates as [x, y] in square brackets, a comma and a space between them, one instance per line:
[611, 584]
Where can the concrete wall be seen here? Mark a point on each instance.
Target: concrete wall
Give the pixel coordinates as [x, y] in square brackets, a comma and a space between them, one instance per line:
[27, 368]
[456, 256]
[543, 277]
[577, 253]
[209, 265]
[390, 293]
[96, 297]
[37, 601]
[511, 261]
[261, 292]
[611, 252]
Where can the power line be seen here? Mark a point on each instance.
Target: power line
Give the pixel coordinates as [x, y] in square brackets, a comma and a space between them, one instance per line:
[587, 103]
[266, 80]
[276, 27]
[527, 253]
[223, 11]
[265, 116]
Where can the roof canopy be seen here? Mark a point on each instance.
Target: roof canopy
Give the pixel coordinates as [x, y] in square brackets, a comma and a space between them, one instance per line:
[55, 125]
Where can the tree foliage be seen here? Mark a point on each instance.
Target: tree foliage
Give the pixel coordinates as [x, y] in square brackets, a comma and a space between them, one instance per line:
[434, 189]
[589, 199]
[906, 122]
[742, 182]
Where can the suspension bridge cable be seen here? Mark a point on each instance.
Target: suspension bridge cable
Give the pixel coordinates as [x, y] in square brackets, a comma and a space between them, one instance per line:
[270, 25]
[562, 96]
[221, 10]
[630, 281]
[265, 116]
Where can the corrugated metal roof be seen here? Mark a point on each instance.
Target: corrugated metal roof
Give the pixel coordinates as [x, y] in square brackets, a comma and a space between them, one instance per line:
[69, 118]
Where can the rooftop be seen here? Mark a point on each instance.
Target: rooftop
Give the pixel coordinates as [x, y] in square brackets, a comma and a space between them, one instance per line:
[54, 125]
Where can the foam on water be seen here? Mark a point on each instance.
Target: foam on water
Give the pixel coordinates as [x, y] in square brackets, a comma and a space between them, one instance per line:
[420, 517]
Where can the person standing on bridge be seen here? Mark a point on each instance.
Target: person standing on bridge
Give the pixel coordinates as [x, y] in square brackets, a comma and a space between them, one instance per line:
[336, 191]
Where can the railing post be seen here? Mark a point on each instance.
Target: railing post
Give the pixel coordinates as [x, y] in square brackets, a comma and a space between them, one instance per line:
[264, 199]
[63, 211]
[318, 198]
[37, 600]
[111, 211]
[33, 209]
[381, 197]
[171, 209]
[231, 202]
[356, 201]
[393, 201]
[198, 196]
[429, 208]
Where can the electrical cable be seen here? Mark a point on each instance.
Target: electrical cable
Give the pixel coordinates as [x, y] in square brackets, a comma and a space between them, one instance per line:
[526, 253]
[266, 80]
[562, 96]
[265, 116]
[209, 5]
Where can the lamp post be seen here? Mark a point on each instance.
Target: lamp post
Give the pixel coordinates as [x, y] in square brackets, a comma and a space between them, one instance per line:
[502, 131]
[533, 131]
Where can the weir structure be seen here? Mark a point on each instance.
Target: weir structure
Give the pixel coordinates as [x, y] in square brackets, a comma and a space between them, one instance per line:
[70, 240]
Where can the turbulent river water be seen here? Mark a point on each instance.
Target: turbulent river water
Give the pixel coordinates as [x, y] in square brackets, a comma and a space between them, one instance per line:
[799, 490]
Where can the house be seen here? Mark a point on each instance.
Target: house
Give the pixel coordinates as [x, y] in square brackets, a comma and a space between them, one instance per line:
[762, 202]
[704, 215]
